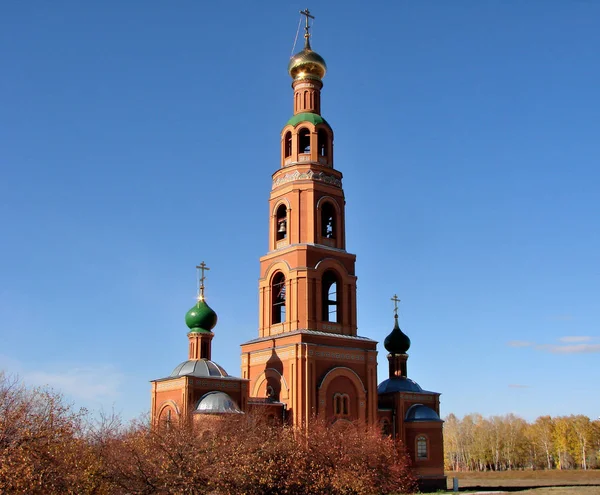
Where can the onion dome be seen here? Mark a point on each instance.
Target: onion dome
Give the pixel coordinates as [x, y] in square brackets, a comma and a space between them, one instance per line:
[199, 368]
[397, 342]
[201, 318]
[307, 65]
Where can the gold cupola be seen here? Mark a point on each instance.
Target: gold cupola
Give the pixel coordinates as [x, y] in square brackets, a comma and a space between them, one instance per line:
[307, 64]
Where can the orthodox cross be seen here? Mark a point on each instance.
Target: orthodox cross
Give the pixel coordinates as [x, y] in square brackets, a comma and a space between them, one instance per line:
[306, 13]
[200, 270]
[396, 301]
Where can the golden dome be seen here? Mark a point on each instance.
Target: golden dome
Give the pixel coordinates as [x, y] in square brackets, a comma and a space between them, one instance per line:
[307, 65]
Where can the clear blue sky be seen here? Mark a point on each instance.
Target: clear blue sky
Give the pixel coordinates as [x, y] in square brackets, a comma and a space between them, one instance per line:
[138, 139]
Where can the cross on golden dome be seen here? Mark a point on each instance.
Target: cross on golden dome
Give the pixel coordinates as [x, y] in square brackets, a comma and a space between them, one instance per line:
[306, 13]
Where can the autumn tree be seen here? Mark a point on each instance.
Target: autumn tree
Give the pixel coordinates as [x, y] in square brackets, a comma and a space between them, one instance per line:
[42, 449]
[509, 442]
[249, 456]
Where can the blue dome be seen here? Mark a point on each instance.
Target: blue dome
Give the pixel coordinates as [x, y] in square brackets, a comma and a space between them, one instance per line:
[217, 403]
[201, 368]
[398, 384]
[419, 412]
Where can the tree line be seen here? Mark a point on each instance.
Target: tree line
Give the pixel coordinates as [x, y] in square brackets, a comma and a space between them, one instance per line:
[477, 443]
[47, 447]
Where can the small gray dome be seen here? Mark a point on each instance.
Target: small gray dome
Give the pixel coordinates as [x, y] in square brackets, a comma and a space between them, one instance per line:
[217, 403]
[398, 384]
[419, 412]
[201, 368]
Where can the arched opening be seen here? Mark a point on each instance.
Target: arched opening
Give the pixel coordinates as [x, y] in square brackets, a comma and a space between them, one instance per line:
[341, 404]
[421, 447]
[165, 419]
[204, 350]
[322, 141]
[281, 223]
[331, 297]
[328, 227]
[288, 144]
[278, 298]
[304, 141]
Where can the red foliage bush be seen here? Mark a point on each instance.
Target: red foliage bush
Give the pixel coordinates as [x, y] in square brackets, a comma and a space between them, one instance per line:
[46, 448]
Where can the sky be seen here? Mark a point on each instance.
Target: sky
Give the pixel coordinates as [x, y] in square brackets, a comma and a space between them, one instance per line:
[139, 138]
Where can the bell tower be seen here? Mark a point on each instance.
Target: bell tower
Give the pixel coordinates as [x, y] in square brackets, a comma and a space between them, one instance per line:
[308, 279]
[307, 286]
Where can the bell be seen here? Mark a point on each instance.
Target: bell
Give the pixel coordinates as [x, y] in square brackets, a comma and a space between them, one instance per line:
[281, 226]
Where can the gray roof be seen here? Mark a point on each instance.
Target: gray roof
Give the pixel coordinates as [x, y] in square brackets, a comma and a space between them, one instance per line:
[398, 384]
[312, 332]
[401, 384]
[419, 412]
[201, 368]
[217, 403]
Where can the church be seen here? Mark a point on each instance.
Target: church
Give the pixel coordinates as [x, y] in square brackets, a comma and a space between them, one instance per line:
[308, 359]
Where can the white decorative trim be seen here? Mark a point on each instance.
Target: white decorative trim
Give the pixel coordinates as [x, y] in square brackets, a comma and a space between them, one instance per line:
[310, 175]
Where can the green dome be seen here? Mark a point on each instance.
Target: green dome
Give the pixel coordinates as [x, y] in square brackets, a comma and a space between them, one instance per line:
[201, 318]
[397, 342]
[313, 118]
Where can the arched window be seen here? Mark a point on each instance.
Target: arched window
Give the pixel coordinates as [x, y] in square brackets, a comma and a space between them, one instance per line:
[331, 297]
[165, 419]
[204, 349]
[288, 144]
[322, 142]
[281, 223]
[328, 227]
[304, 141]
[278, 298]
[341, 404]
[421, 447]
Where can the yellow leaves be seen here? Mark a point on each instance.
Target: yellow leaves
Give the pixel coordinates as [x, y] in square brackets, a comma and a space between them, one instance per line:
[508, 442]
